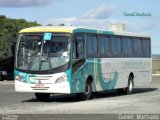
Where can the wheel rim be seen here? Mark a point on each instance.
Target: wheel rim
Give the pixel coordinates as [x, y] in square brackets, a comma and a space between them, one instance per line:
[87, 89]
[130, 86]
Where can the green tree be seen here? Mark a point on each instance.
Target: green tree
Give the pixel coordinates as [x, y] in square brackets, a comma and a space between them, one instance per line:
[9, 30]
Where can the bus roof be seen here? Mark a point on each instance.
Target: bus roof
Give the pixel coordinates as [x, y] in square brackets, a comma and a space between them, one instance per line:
[48, 29]
[71, 29]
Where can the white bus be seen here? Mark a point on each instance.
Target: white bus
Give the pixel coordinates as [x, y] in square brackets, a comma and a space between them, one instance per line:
[74, 60]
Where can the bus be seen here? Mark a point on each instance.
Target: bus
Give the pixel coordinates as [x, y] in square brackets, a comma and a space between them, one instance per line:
[80, 60]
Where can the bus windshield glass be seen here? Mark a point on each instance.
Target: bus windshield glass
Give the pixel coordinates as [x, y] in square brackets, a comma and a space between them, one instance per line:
[36, 53]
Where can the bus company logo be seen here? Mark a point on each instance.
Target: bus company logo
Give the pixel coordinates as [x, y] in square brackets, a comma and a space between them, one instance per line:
[106, 79]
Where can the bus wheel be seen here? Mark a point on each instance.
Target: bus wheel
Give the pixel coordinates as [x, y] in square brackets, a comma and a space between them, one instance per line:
[129, 89]
[42, 96]
[88, 92]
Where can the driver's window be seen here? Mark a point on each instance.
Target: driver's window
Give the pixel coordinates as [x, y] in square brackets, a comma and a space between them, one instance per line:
[78, 46]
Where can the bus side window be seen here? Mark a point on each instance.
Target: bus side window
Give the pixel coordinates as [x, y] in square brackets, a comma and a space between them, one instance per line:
[91, 45]
[79, 49]
[146, 48]
[127, 47]
[103, 46]
[74, 50]
[137, 47]
[78, 46]
[116, 46]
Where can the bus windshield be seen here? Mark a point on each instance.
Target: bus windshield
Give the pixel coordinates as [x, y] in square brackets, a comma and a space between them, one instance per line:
[34, 53]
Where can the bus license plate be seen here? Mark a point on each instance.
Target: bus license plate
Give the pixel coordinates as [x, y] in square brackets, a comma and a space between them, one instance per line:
[39, 86]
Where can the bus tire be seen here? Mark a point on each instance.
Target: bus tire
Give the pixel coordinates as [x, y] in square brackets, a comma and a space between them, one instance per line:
[42, 96]
[129, 89]
[88, 92]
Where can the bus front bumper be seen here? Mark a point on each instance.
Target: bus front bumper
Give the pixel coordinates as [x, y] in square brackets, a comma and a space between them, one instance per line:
[62, 87]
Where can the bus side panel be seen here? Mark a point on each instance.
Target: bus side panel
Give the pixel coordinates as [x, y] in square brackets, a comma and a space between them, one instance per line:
[143, 74]
[105, 78]
[140, 67]
[112, 73]
[100, 82]
[78, 81]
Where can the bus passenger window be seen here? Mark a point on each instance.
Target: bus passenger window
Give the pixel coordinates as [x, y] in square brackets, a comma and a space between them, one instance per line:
[146, 48]
[91, 46]
[127, 47]
[137, 47]
[103, 47]
[116, 46]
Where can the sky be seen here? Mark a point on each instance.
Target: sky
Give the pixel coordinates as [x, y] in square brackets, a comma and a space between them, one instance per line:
[92, 13]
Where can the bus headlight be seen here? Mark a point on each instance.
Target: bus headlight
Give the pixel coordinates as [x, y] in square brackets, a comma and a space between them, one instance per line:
[61, 79]
[19, 78]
